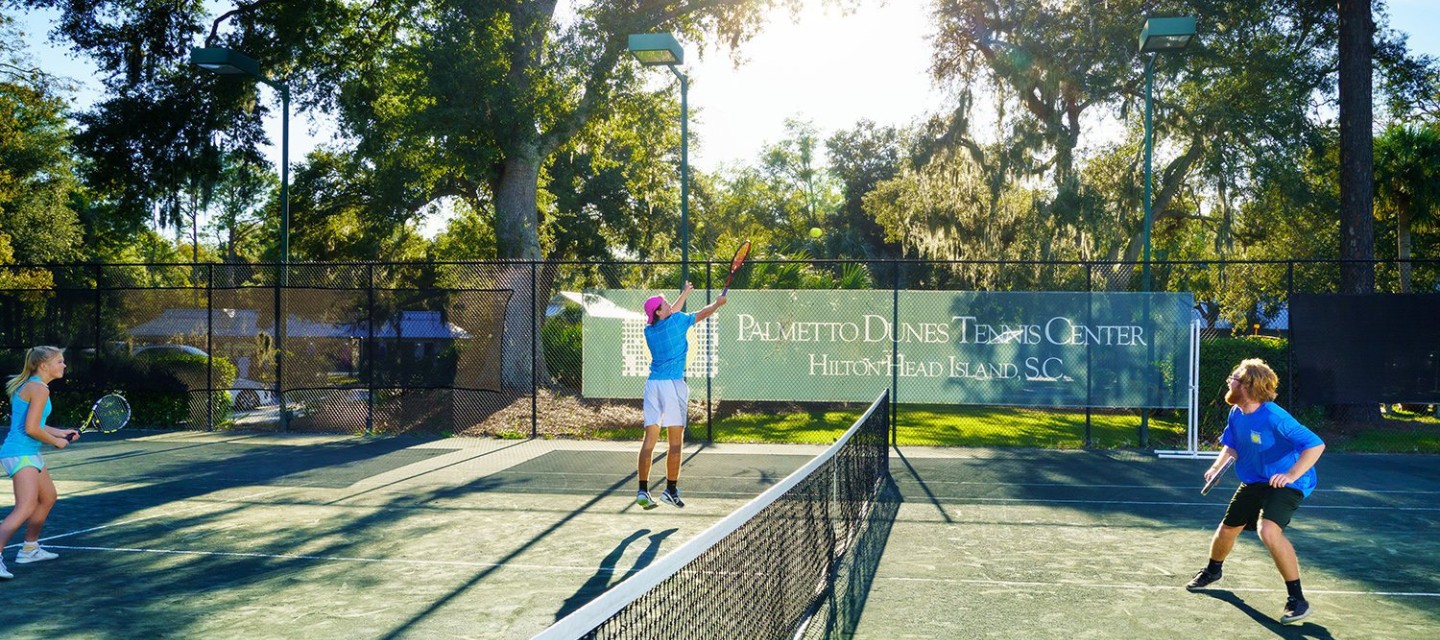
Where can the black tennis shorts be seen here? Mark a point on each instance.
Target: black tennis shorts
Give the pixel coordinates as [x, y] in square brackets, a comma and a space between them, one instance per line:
[1260, 500]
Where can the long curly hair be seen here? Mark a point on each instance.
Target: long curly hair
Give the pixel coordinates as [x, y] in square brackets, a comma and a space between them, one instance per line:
[1258, 379]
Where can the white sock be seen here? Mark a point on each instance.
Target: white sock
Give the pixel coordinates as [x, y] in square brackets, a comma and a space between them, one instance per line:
[30, 546]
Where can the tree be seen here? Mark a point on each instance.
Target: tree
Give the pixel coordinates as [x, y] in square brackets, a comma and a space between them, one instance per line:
[37, 184]
[1407, 184]
[246, 183]
[1234, 105]
[468, 99]
[861, 158]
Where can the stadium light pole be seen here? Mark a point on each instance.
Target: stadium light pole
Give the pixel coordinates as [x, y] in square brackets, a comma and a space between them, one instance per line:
[1159, 35]
[226, 61]
[663, 50]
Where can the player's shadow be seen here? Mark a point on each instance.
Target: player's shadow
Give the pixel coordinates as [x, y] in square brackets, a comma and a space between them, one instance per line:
[600, 582]
[1306, 630]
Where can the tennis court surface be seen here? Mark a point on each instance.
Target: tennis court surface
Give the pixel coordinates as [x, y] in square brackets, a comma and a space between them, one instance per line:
[214, 535]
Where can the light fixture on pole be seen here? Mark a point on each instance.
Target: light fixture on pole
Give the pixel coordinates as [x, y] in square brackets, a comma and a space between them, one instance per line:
[662, 49]
[1157, 36]
[227, 61]
[231, 62]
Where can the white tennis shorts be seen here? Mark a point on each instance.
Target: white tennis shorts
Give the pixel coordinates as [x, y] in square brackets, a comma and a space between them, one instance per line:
[666, 402]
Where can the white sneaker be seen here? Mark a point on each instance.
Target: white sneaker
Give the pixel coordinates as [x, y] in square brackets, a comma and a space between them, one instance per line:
[39, 554]
[3, 573]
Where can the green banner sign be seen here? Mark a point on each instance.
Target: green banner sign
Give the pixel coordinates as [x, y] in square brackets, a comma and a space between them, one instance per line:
[950, 347]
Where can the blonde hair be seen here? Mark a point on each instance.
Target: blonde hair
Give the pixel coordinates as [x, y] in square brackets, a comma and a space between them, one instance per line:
[35, 357]
[1258, 379]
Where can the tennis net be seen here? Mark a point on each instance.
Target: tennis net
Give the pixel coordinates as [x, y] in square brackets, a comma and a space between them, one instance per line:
[772, 568]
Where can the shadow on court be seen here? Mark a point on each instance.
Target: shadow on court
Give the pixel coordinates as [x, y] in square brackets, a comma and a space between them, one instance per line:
[1019, 543]
[605, 577]
[1307, 629]
[219, 535]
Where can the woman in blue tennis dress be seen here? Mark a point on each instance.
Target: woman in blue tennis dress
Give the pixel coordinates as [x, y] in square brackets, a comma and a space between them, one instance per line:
[20, 456]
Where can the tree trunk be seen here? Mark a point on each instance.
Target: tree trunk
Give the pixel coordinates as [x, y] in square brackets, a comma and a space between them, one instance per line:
[1357, 234]
[516, 230]
[1357, 155]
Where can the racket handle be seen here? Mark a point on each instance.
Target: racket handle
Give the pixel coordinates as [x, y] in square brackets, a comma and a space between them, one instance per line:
[70, 437]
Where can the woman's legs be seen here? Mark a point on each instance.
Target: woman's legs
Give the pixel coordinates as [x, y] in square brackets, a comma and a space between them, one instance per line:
[45, 500]
[27, 490]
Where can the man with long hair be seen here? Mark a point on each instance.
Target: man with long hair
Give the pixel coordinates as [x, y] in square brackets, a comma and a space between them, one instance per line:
[1275, 460]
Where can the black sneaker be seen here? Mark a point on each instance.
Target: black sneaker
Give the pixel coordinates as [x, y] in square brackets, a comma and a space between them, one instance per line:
[1203, 579]
[1295, 611]
[672, 498]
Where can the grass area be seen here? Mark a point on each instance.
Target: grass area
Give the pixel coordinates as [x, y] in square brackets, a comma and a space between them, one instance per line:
[948, 426]
[943, 426]
[1403, 432]
[969, 426]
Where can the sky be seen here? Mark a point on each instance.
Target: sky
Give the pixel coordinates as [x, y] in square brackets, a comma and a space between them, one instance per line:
[830, 68]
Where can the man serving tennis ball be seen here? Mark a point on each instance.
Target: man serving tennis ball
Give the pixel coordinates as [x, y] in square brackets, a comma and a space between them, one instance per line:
[667, 397]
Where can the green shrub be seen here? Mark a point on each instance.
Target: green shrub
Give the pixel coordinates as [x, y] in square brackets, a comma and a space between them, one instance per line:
[182, 374]
[560, 340]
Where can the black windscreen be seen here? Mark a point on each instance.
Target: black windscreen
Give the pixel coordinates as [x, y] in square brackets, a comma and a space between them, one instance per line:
[1355, 349]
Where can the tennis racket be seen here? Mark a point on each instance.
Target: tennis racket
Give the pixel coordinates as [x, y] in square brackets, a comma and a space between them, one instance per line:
[109, 414]
[739, 259]
[1215, 479]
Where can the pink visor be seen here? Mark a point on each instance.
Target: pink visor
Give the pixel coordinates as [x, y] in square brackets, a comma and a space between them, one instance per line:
[651, 306]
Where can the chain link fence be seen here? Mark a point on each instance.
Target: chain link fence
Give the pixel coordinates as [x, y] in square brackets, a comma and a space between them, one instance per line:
[496, 348]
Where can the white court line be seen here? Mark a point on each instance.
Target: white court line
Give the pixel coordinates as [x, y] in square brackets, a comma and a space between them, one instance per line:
[404, 561]
[1092, 585]
[944, 500]
[1072, 485]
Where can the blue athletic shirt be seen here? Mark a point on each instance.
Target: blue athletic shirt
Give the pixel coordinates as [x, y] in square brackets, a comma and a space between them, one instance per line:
[1269, 441]
[668, 346]
[17, 442]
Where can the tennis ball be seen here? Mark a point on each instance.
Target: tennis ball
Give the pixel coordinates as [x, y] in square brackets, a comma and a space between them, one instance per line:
[815, 232]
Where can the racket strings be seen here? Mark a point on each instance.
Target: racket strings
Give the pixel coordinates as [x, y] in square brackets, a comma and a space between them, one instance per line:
[740, 256]
[111, 412]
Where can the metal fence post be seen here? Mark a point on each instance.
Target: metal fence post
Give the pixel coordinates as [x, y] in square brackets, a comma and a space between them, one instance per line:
[370, 352]
[1289, 330]
[210, 347]
[1089, 370]
[99, 351]
[534, 346]
[709, 361]
[280, 349]
[894, 352]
